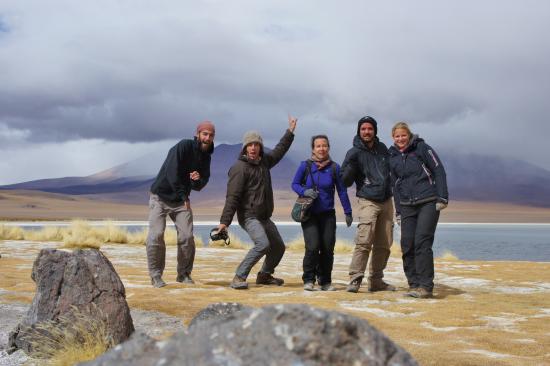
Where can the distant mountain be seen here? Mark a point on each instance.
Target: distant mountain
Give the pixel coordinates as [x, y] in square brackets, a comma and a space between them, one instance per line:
[470, 178]
[130, 182]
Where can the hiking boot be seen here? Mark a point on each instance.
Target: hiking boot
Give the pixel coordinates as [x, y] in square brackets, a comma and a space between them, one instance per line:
[185, 278]
[380, 285]
[157, 282]
[354, 285]
[328, 287]
[420, 293]
[267, 279]
[239, 283]
[309, 286]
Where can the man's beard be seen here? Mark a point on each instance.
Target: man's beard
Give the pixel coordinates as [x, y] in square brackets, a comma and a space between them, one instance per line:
[205, 146]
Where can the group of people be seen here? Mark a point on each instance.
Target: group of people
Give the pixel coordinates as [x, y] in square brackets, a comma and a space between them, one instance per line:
[409, 171]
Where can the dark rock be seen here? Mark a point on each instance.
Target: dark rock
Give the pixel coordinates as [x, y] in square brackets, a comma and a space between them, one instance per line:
[81, 281]
[221, 311]
[277, 335]
[139, 348]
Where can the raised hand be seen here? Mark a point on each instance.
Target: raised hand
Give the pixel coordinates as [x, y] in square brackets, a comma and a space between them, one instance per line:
[292, 123]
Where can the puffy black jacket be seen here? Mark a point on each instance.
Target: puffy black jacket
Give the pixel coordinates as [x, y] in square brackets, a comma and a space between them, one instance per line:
[173, 184]
[369, 169]
[249, 189]
[417, 175]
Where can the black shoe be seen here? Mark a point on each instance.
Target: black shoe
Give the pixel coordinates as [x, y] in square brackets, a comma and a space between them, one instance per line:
[157, 282]
[185, 278]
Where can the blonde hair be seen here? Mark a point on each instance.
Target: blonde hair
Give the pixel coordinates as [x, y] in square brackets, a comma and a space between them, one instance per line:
[402, 125]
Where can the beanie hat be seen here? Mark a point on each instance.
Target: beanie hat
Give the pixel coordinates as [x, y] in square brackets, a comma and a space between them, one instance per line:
[206, 125]
[368, 119]
[252, 136]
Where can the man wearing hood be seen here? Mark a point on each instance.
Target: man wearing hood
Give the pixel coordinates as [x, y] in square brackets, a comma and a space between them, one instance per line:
[367, 165]
[187, 167]
[250, 195]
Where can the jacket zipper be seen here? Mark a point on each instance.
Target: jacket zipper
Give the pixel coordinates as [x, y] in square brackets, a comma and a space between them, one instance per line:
[427, 173]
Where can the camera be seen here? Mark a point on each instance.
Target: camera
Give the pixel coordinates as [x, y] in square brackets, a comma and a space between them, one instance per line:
[216, 235]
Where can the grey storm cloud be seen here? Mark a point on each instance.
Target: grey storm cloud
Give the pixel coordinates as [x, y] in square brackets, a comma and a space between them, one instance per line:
[136, 71]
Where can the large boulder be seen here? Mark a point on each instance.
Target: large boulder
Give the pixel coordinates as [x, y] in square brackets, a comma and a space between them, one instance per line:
[221, 311]
[78, 282]
[273, 335]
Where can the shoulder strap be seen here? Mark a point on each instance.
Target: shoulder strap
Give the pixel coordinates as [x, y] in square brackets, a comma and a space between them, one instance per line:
[333, 167]
[308, 172]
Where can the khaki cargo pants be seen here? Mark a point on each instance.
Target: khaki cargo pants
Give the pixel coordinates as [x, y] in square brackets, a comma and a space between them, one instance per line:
[374, 233]
[155, 246]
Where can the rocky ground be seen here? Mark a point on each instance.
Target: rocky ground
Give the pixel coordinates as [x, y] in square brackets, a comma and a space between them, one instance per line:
[484, 313]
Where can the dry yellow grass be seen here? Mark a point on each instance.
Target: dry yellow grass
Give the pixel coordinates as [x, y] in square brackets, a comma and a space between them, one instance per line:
[80, 234]
[484, 313]
[11, 233]
[74, 338]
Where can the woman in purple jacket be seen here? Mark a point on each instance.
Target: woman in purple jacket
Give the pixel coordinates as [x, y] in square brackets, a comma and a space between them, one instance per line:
[317, 178]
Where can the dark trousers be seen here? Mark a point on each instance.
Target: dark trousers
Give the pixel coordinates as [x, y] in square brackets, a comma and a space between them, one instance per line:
[319, 236]
[418, 225]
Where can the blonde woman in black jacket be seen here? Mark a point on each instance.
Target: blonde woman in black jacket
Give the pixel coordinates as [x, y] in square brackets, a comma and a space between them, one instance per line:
[419, 187]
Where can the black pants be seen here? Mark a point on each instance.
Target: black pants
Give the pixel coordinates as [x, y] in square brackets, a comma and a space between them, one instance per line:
[418, 225]
[319, 236]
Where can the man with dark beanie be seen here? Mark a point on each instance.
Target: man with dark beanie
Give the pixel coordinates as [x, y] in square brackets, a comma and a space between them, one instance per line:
[367, 165]
[250, 195]
[186, 167]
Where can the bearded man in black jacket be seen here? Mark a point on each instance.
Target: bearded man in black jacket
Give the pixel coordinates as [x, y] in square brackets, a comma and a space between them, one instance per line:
[186, 168]
[367, 165]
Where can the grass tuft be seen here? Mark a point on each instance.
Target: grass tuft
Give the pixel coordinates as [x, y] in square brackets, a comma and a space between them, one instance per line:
[72, 338]
[11, 233]
[448, 256]
[81, 235]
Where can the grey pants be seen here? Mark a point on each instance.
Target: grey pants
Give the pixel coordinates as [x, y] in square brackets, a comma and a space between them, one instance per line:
[156, 248]
[374, 233]
[267, 241]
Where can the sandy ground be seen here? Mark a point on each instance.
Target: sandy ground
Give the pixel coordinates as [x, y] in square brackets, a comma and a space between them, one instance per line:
[484, 313]
[34, 205]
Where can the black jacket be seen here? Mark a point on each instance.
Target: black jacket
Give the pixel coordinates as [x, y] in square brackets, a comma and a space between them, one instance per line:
[173, 184]
[249, 189]
[369, 169]
[417, 175]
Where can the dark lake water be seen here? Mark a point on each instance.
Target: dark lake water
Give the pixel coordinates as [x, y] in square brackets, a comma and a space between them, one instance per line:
[466, 241]
[517, 242]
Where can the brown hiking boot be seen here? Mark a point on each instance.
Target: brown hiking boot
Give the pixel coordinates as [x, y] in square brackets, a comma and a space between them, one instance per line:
[354, 285]
[380, 285]
[239, 283]
[420, 293]
[267, 279]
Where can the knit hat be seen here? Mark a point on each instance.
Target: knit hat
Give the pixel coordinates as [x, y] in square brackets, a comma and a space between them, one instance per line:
[368, 119]
[252, 136]
[206, 125]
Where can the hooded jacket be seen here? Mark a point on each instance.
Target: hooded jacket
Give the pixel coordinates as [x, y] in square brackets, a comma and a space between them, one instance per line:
[417, 175]
[173, 184]
[368, 168]
[249, 189]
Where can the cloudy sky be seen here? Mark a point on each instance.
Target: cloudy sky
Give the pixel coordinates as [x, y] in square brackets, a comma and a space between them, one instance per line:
[86, 85]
